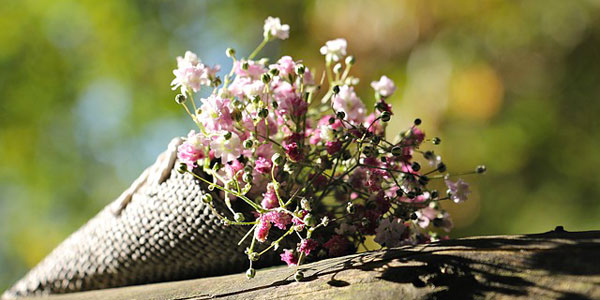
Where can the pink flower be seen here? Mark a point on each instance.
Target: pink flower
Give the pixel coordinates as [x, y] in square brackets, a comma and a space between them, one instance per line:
[294, 106]
[191, 73]
[254, 71]
[293, 152]
[263, 165]
[333, 147]
[348, 102]
[262, 230]
[425, 216]
[270, 198]
[286, 66]
[458, 190]
[337, 246]
[216, 114]
[299, 219]
[234, 167]
[192, 149]
[226, 149]
[307, 245]
[289, 258]
[384, 87]
[279, 218]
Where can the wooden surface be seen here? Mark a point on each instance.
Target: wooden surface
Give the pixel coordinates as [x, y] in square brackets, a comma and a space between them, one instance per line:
[557, 264]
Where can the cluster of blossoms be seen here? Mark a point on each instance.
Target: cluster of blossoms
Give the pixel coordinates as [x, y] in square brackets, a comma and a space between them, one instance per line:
[307, 159]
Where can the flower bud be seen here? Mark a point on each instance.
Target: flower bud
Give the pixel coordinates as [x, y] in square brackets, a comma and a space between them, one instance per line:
[277, 159]
[263, 113]
[299, 276]
[250, 273]
[480, 169]
[266, 78]
[416, 166]
[310, 220]
[248, 144]
[247, 177]
[182, 168]
[340, 114]
[228, 135]
[207, 198]
[417, 121]
[245, 65]
[441, 167]
[385, 116]
[337, 68]
[350, 60]
[305, 204]
[325, 221]
[336, 89]
[396, 151]
[239, 217]
[300, 69]
[230, 52]
[350, 208]
[436, 140]
[274, 72]
[180, 98]
[275, 245]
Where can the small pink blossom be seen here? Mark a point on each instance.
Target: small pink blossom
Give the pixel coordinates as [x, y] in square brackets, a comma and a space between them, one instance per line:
[262, 230]
[425, 216]
[307, 245]
[293, 152]
[384, 87]
[263, 165]
[192, 149]
[216, 114]
[254, 71]
[289, 258]
[348, 102]
[279, 218]
[337, 246]
[270, 198]
[333, 147]
[286, 66]
[191, 73]
[226, 149]
[299, 219]
[458, 190]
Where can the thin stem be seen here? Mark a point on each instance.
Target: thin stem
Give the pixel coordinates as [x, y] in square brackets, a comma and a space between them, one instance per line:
[257, 50]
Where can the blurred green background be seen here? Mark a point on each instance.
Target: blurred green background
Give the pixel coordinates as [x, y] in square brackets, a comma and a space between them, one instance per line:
[85, 102]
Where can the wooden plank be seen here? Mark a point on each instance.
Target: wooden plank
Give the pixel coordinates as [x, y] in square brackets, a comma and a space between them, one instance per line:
[556, 265]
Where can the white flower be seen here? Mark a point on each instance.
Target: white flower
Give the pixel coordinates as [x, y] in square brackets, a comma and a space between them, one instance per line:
[389, 233]
[334, 50]
[274, 28]
[384, 87]
[348, 102]
[226, 149]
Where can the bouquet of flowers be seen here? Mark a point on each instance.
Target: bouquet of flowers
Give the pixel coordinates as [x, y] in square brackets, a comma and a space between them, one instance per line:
[301, 152]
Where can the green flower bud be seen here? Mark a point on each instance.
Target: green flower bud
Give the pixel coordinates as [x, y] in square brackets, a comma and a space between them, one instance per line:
[228, 135]
[230, 52]
[310, 220]
[340, 115]
[396, 151]
[436, 140]
[180, 98]
[350, 208]
[300, 69]
[265, 78]
[245, 65]
[263, 113]
[350, 60]
[480, 169]
[299, 276]
[250, 273]
[385, 116]
[247, 177]
[336, 89]
[239, 217]
[182, 168]
[248, 144]
[207, 198]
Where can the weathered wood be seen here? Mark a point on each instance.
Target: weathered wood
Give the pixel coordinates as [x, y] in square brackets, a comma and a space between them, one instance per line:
[557, 264]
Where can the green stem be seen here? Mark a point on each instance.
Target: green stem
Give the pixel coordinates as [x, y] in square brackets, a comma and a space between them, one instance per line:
[257, 50]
